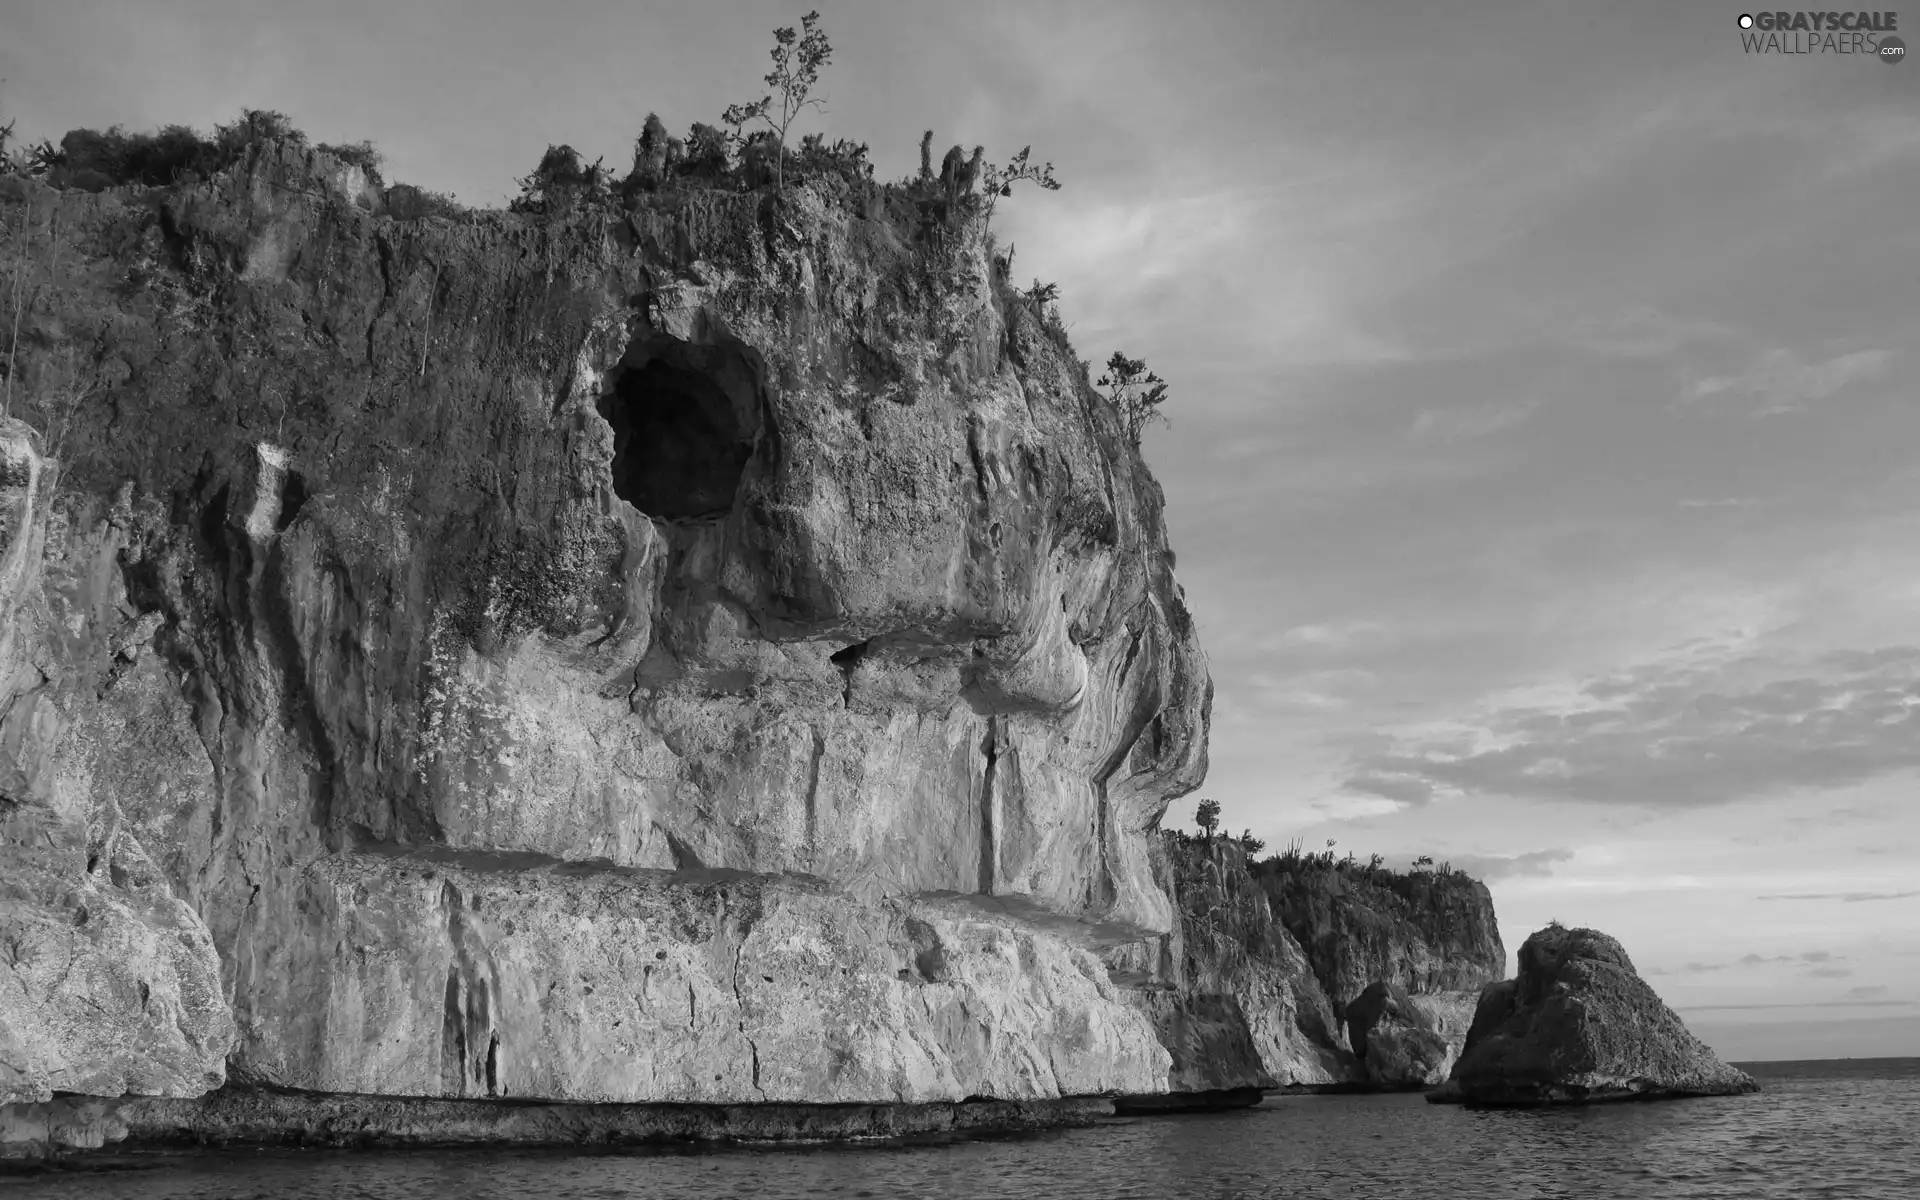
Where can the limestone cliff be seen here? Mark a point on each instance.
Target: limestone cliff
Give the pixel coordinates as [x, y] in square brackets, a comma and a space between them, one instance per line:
[1241, 1002]
[1230, 992]
[1431, 933]
[715, 648]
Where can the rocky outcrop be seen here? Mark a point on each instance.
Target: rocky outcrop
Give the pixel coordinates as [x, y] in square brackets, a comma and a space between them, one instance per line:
[1578, 1025]
[1239, 1004]
[1230, 993]
[714, 649]
[1397, 1044]
[1432, 933]
[110, 983]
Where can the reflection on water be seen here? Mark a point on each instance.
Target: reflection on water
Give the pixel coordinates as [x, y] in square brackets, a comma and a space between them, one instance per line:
[1841, 1129]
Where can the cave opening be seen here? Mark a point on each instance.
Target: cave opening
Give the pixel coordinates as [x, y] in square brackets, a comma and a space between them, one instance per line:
[684, 419]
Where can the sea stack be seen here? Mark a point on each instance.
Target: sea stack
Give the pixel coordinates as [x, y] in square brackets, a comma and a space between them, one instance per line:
[1578, 1025]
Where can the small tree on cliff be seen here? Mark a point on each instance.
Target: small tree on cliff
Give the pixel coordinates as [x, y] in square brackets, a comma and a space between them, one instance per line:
[1137, 392]
[1207, 816]
[998, 181]
[797, 59]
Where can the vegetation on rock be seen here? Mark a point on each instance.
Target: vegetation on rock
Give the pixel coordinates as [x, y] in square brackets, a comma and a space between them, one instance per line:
[797, 59]
[1207, 816]
[1137, 392]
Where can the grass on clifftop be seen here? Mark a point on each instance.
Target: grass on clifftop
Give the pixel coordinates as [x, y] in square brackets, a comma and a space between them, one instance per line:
[1423, 875]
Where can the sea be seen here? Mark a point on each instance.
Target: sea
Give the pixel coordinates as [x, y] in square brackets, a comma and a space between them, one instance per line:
[1845, 1128]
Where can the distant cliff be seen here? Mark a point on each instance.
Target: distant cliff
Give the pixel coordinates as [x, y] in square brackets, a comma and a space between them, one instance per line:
[1252, 987]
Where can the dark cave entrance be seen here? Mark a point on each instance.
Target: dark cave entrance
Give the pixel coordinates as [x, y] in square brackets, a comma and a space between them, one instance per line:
[684, 421]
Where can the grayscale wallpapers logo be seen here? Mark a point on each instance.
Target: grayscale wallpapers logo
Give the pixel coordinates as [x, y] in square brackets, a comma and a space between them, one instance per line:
[1868, 34]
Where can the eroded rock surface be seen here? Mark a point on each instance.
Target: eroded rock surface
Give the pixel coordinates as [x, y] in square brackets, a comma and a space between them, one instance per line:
[1229, 991]
[1239, 1004]
[109, 981]
[1395, 1041]
[1578, 1025]
[716, 650]
[1431, 933]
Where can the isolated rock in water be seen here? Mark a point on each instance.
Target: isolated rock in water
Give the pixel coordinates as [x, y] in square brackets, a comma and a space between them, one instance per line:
[1577, 1026]
[1395, 1040]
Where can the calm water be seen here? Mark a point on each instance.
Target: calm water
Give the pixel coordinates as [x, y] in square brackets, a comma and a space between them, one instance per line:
[1843, 1129]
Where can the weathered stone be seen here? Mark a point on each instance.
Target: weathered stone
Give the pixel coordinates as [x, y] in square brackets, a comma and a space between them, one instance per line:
[1228, 991]
[1396, 1043]
[1236, 1001]
[111, 984]
[1428, 931]
[243, 1117]
[1578, 1025]
[751, 581]
[463, 974]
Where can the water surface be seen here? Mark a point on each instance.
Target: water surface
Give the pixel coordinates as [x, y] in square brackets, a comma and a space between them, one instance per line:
[1844, 1128]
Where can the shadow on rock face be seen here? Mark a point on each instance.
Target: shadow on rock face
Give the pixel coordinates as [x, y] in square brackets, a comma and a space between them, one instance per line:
[684, 420]
[1394, 1040]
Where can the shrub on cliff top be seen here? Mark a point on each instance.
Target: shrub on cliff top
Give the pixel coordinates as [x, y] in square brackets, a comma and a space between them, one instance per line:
[95, 159]
[1207, 816]
[13, 160]
[797, 59]
[560, 179]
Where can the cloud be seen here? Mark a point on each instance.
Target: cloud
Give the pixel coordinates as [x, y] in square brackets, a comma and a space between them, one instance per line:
[1314, 690]
[1341, 635]
[1469, 421]
[1727, 502]
[1847, 1003]
[1403, 789]
[1489, 867]
[1871, 991]
[1846, 897]
[1780, 382]
[1644, 332]
[1750, 960]
[1702, 727]
[1829, 973]
[1756, 960]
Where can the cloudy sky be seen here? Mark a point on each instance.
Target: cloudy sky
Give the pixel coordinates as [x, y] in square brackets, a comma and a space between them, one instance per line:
[1545, 456]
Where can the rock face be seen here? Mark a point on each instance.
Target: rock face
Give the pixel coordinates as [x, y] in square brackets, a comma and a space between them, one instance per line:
[1229, 991]
[111, 982]
[1238, 1003]
[1432, 933]
[1578, 1025]
[718, 649]
[1397, 1043]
